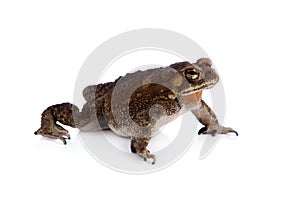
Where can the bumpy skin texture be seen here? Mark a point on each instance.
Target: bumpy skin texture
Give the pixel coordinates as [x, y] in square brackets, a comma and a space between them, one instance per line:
[137, 104]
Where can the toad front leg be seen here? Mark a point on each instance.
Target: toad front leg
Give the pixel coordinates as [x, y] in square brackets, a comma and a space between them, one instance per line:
[139, 146]
[208, 118]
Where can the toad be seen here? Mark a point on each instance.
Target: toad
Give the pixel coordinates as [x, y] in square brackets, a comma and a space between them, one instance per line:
[138, 104]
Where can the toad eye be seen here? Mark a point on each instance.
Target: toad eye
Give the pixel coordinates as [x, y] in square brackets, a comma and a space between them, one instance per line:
[191, 74]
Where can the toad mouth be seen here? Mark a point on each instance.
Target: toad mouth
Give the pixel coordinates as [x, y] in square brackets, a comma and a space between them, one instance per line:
[205, 86]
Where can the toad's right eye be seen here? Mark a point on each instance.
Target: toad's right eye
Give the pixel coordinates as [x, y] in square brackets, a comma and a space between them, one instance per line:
[191, 74]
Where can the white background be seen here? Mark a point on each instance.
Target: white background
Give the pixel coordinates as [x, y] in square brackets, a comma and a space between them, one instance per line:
[255, 46]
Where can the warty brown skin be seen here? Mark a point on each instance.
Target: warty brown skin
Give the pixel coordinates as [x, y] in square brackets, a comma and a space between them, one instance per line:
[137, 104]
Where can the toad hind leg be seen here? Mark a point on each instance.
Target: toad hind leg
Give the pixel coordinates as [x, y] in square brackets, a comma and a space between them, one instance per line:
[64, 113]
[138, 145]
